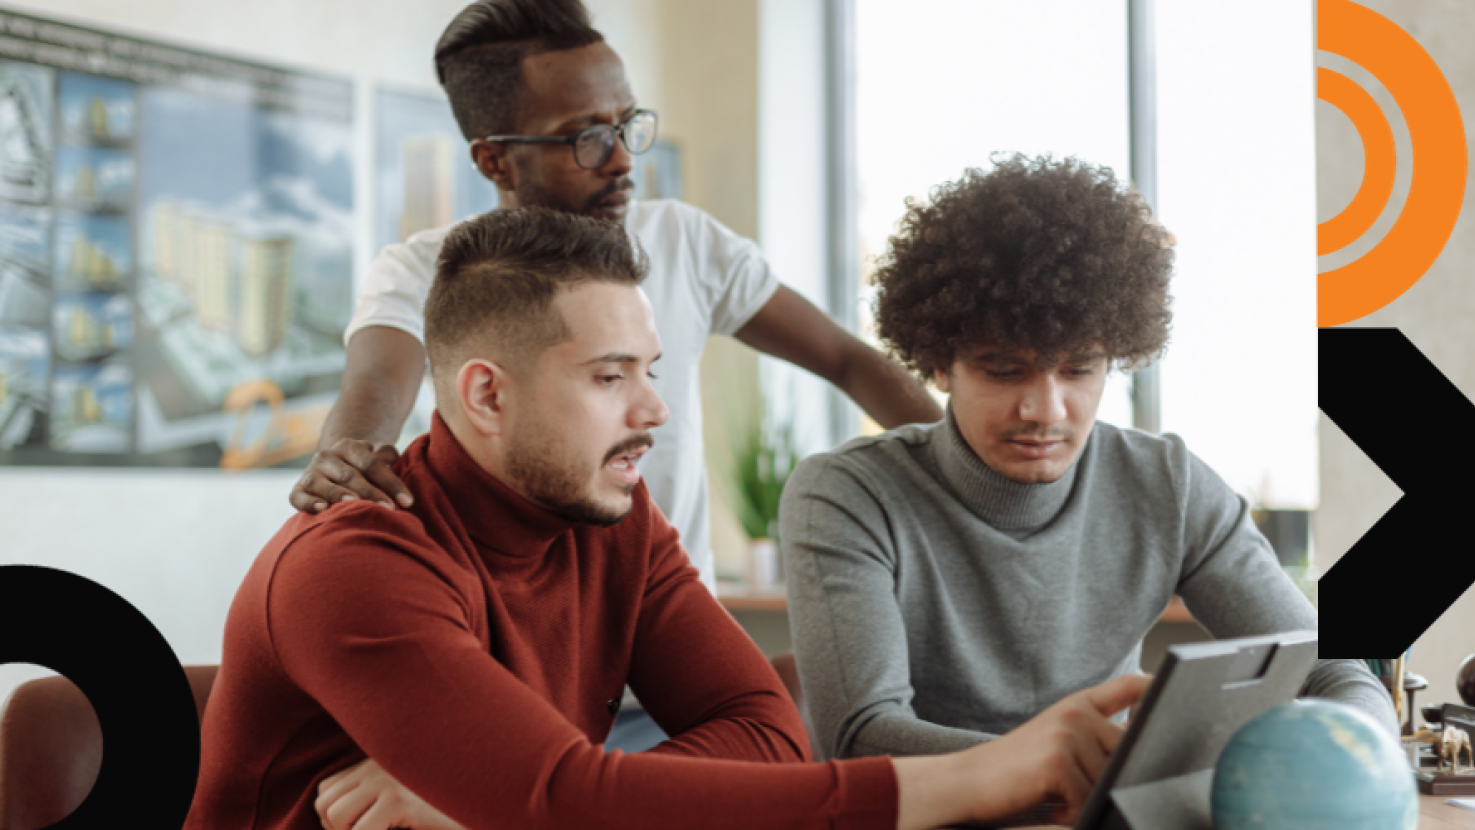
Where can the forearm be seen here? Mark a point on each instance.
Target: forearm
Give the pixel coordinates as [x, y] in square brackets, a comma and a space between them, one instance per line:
[927, 792]
[903, 734]
[744, 731]
[701, 678]
[1350, 682]
[368, 409]
[886, 391]
[380, 382]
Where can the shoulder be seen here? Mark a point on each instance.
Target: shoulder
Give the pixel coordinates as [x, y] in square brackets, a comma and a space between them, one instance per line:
[647, 214]
[1155, 464]
[1136, 445]
[415, 257]
[876, 463]
[346, 540]
[663, 222]
[358, 540]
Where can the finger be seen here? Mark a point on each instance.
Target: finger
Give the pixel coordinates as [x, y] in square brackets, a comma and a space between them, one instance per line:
[346, 475]
[306, 502]
[1065, 815]
[1091, 753]
[326, 492]
[1109, 735]
[377, 817]
[338, 783]
[347, 810]
[1075, 788]
[1115, 695]
[330, 790]
[380, 473]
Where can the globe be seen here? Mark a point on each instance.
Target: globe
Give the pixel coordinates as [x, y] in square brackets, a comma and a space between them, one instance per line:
[1465, 680]
[1313, 765]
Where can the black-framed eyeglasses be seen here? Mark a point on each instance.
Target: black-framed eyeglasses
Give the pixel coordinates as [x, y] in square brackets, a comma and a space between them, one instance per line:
[594, 144]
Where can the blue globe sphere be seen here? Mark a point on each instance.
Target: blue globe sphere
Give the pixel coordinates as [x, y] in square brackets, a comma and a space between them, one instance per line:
[1314, 765]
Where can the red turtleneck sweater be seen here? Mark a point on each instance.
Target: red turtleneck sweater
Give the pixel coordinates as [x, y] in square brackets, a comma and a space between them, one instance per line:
[476, 646]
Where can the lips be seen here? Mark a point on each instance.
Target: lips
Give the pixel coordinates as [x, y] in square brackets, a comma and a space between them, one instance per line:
[629, 457]
[623, 465]
[622, 458]
[614, 198]
[1036, 449]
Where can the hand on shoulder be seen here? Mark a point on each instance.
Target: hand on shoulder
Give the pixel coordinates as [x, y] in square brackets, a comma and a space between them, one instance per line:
[348, 470]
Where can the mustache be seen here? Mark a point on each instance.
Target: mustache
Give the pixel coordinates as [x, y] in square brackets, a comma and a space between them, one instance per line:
[634, 442]
[1032, 433]
[622, 183]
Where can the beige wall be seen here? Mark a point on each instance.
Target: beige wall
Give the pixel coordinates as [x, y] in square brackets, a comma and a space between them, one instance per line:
[709, 106]
[709, 60]
[1437, 314]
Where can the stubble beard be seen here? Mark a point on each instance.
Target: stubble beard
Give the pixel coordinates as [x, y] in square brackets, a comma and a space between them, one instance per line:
[532, 193]
[552, 478]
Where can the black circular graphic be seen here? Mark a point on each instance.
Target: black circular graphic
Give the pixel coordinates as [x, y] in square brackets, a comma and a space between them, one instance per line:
[99, 641]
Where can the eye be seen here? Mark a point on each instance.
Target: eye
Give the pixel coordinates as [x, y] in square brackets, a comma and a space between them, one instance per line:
[1079, 371]
[609, 380]
[1002, 374]
[651, 375]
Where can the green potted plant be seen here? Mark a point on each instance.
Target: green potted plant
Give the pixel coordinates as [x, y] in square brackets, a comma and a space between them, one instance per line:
[763, 456]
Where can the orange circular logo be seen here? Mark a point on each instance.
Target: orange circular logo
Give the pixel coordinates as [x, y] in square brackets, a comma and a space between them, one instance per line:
[1439, 162]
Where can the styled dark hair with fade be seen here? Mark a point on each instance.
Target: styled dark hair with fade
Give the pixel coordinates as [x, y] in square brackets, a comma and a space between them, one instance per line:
[498, 275]
[1053, 256]
[479, 57]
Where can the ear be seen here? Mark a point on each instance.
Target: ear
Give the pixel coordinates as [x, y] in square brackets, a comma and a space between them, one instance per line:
[493, 161]
[943, 381]
[482, 391]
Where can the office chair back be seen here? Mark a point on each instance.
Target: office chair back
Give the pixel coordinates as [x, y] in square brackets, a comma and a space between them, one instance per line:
[51, 748]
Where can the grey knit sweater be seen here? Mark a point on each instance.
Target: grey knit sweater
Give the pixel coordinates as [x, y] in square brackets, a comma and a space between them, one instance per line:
[935, 603]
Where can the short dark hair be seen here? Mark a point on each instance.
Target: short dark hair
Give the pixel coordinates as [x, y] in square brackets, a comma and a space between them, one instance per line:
[498, 275]
[1035, 254]
[479, 57]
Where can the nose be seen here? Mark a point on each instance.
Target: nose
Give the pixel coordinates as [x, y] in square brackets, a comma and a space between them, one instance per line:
[649, 410]
[1043, 402]
[620, 162]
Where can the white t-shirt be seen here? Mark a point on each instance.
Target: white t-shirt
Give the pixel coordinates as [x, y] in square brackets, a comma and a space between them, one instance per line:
[704, 279]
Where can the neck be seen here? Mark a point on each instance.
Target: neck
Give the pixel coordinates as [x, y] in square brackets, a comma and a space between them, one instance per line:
[1002, 502]
[507, 199]
[488, 451]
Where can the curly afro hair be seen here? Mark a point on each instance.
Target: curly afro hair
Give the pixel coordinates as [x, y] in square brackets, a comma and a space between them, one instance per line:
[1036, 254]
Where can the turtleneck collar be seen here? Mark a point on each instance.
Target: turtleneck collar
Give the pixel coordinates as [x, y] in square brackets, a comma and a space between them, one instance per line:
[492, 513]
[1001, 502]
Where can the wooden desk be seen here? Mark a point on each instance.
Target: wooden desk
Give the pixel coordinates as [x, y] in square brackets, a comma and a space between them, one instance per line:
[1434, 814]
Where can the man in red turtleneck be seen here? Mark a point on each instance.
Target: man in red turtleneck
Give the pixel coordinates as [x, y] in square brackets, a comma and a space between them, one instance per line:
[475, 645]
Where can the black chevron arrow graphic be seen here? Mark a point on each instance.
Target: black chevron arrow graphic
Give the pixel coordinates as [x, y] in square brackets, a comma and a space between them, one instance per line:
[1420, 429]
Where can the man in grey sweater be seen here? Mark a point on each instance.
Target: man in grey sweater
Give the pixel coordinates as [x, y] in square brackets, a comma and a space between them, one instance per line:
[948, 582]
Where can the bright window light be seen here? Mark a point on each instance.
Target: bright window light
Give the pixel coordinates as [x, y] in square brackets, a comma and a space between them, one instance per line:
[941, 85]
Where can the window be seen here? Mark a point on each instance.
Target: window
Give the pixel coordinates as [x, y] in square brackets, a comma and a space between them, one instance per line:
[941, 85]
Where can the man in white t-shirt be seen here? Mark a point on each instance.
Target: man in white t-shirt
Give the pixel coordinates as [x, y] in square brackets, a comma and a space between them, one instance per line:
[552, 121]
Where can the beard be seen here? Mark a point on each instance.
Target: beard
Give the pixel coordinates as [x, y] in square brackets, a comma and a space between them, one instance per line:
[533, 193]
[550, 475]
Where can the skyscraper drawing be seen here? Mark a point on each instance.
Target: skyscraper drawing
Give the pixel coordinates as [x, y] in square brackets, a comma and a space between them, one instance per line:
[265, 294]
[240, 283]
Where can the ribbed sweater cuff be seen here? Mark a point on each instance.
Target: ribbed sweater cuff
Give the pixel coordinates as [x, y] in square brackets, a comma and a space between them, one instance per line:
[867, 796]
